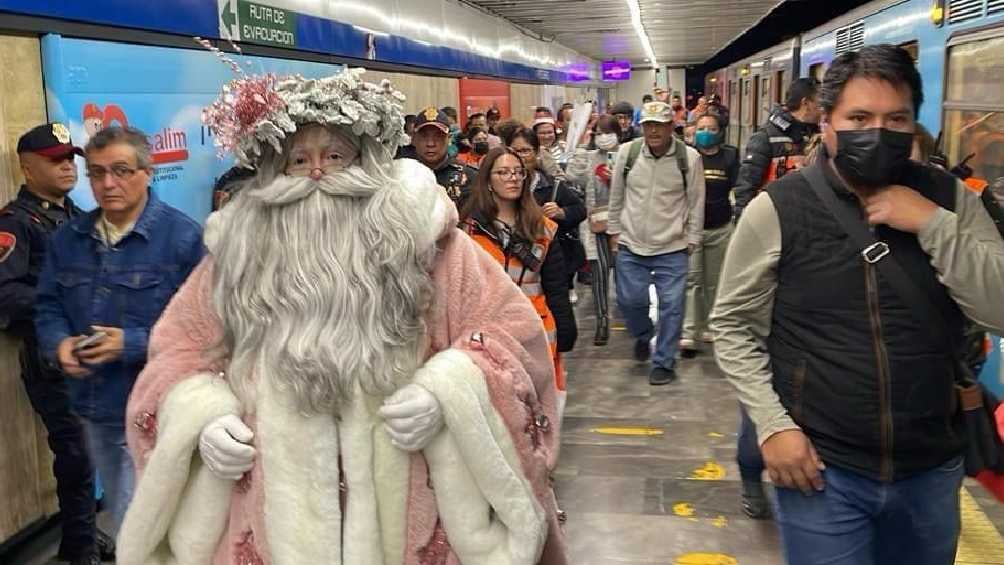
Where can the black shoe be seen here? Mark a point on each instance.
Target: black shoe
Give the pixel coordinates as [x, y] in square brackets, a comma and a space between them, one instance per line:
[106, 546]
[688, 353]
[602, 332]
[585, 278]
[91, 559]
[642, 350]
[661, 376]
[755, 503]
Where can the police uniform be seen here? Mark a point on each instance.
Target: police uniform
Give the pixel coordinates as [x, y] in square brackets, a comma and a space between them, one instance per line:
[454, 177]
[26, 225]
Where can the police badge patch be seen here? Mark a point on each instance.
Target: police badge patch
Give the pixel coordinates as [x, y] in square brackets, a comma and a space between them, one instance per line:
[7, 243]
[60, 132]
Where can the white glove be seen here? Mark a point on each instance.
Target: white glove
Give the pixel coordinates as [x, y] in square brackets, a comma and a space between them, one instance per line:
[412, 417]
[225, 449]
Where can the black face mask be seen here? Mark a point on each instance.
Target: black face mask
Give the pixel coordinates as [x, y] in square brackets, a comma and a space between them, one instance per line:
[480, 147]
[872, 157]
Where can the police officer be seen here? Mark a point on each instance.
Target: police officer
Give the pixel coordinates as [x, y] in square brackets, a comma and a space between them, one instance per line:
[42, 205]
[431, 141]
[780, 146]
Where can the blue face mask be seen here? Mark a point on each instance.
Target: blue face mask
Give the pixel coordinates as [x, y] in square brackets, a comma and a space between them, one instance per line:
[705, 139]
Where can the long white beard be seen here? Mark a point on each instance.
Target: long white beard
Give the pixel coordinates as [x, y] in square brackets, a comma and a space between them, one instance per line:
[320, 285]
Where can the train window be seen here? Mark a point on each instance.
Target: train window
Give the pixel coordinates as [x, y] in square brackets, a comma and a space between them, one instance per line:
[974, 107]
[817, 71]
[913, 48]
[780, 87]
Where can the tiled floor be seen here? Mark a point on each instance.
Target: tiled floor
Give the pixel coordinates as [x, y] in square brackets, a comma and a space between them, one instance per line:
[648, 476]
[640, 499]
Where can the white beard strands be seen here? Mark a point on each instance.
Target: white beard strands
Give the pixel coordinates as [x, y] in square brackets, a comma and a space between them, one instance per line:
[319, 285]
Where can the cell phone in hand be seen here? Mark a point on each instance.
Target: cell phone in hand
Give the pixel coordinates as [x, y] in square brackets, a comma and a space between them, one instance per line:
[89, 341]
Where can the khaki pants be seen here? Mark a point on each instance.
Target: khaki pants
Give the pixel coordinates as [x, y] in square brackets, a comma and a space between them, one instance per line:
[702, 280]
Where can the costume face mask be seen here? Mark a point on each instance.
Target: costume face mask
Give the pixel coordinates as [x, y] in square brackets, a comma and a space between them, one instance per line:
[606, 141]
[872, 157]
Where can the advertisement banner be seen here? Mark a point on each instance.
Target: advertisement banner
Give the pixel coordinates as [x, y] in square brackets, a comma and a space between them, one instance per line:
[91, 85]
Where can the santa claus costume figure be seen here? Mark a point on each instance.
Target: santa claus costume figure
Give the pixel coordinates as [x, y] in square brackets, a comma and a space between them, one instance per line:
[346, 378]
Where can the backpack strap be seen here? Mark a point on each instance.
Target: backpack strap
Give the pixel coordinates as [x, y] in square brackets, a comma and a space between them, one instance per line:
[681, 161]
[633, 151]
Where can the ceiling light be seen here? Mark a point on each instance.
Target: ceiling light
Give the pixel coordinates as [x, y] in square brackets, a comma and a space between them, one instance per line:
[639, 30]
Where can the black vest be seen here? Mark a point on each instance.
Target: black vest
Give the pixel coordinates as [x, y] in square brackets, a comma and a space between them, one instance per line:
[871, 388]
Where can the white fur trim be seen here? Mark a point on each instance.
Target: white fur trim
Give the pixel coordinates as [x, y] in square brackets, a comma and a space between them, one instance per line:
[299, 458]
[475, 469]
[163, 507]
[420, 182]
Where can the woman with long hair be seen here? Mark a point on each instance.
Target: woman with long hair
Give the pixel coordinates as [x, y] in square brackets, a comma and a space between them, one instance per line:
[502, 216]
[590, 168]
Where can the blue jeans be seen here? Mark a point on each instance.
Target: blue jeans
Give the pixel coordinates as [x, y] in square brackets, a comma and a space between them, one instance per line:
[107, 444]
[859, 521]
[669, 273]
[748, 449]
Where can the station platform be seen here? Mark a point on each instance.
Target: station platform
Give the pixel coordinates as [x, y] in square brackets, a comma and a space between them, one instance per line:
[648, 476]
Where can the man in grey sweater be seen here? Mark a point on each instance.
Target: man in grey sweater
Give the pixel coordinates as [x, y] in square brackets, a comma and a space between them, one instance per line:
[656, 221]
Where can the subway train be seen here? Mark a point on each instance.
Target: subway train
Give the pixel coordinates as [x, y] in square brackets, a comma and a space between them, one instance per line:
[958, 46]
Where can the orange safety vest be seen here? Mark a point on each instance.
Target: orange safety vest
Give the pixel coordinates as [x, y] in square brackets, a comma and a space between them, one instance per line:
[528, 281]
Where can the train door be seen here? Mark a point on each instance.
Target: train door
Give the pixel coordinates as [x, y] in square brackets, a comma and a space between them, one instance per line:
[746, 120]
[735, 103]
[973, 130]
[780, 87]
[766, 99]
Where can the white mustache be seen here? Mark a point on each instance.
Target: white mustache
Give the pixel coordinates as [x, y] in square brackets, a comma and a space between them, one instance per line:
[352, 182]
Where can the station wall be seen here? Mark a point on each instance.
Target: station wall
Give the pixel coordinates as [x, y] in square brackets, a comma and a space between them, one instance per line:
[27, 487]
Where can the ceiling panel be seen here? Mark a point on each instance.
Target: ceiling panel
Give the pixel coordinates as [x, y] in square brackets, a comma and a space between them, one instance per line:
[682, 32]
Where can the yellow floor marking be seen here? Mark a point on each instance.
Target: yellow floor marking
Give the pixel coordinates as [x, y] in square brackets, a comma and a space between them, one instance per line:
[711, 471]
[705, 559]
[684, 509]
[979, 542]
[715, 435]
[618, 327]
[628, 431]
[720, 521]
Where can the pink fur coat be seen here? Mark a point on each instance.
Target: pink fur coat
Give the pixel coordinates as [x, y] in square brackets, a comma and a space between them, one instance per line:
[479, 494]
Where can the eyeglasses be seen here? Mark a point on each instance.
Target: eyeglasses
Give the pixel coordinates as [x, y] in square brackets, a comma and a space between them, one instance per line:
[525, 152]
[306, 169]
[120, 172]
[510, 173]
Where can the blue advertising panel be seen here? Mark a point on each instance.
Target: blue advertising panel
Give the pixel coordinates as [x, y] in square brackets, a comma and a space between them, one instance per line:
[95, 84]
[992, 376]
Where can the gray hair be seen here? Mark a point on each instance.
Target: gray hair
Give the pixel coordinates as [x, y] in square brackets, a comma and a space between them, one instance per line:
[320, 285]
[125, 135]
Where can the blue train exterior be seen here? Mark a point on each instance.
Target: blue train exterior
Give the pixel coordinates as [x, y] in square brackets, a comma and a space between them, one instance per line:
[929, 29]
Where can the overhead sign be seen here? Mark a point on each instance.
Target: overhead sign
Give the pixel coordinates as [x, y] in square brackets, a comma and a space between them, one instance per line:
[241, 20]
[616, 70]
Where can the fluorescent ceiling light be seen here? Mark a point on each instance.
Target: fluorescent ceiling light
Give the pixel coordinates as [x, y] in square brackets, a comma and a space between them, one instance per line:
[639, 29]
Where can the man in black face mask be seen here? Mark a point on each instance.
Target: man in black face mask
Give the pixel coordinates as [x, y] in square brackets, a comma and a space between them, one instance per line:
[851, 397]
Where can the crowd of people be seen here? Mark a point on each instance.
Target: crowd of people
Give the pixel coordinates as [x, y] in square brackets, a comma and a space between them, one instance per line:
[335, 319]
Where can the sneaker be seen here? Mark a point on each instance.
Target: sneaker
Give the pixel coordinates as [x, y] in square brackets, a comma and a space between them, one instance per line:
[573, 296]
[708, 337]
[642, 350]
[585, 277]
[688, 348]
[754, 499]
[661, 376]
[602, 331]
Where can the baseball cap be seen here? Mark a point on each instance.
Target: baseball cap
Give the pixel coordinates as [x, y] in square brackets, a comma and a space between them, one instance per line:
[656, 112]
[48, 140]
[431, 116]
